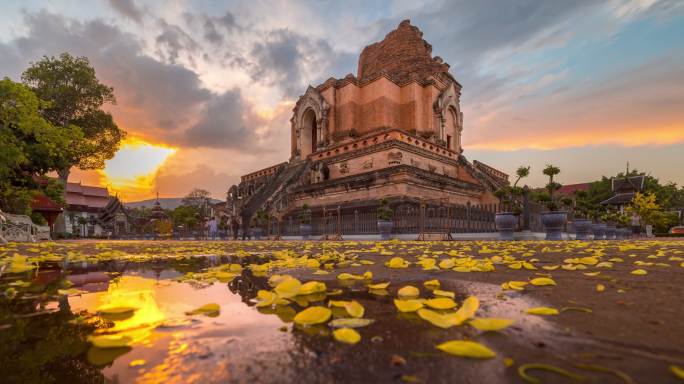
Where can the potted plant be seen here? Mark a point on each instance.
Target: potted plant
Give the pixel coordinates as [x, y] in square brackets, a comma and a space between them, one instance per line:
[258, 222]
[609, 219]
[385, 223]
[305, 222]
[581, 221]
[510, 198]
[554, 220]
[623, 231]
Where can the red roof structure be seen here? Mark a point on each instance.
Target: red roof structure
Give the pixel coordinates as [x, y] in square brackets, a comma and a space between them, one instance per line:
[570, 189]
[46, 207]
[86, 198]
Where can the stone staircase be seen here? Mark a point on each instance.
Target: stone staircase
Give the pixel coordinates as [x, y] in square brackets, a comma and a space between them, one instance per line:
[275, 185]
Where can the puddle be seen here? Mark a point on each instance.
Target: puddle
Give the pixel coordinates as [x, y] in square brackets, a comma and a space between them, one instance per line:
[241, 344]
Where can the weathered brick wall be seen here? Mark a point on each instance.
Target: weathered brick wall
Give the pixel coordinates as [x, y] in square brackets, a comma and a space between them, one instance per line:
[402, 55]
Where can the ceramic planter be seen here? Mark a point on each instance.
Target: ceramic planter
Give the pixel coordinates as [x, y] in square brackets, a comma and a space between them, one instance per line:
[385, 228]
[505, 224]
[582, 229]
[554, 222]
[305, 231]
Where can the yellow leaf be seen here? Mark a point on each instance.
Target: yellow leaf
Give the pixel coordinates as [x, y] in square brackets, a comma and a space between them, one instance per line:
[542, 311]
[321, 272]
[639, 272]
[517, 285]
[312, 287]
[600, 287]
[211, 310]
[469, 349]
[550, 267]
[350, 322]
[508, 362]
[408, 305]
[435, 283]
[109, 310]
[368, 275]
[313, 315]
[354, 309]
[541, 281]
[397, 262]
[379, 286]
[449, 294]
[408, 291]
[137, 363]
[522, 371]
[592, 274]
[266, 298]
[515, 265]
[347, 335]
[441, 303]
[677, 371]
[446, 320]
[288, 288]
[338, 303]
[110, 341]
[469, 307]
[347, 276]
[490, 324]
[446, 264]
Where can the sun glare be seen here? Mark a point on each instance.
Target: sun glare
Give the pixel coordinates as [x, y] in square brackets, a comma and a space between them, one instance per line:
[133, 168]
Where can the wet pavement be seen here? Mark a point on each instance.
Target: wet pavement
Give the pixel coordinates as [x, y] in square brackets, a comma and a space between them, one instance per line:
[57, 298]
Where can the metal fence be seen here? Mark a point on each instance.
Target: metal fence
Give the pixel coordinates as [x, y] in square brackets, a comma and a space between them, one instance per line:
[408, 218]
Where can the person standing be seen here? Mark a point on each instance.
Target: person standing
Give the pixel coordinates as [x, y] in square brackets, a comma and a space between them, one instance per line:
[213, 228]
[235, 225]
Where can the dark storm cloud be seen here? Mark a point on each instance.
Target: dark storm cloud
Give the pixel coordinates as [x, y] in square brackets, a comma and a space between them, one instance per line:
[285, 59]
[127, 8]
[226, 121]
[173, 40]
[154, 98]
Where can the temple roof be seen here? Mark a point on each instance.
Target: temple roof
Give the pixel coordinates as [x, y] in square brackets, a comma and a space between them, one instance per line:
[402, 55]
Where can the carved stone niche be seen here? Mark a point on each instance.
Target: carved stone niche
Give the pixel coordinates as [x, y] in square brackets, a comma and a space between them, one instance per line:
[394, 158]
[344, 168]
[367, 164]
[415, 163]
[432, 168]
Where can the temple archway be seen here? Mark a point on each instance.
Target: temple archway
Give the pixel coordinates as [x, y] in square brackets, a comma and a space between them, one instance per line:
[452, 134]
[309, 133]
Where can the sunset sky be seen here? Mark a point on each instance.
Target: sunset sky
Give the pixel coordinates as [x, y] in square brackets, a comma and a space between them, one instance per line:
[205, 89]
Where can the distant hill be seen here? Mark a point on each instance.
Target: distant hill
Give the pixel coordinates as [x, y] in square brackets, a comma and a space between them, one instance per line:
[165, 202]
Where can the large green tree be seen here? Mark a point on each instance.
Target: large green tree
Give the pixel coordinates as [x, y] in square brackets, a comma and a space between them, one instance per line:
[75, 97]
[29, 145]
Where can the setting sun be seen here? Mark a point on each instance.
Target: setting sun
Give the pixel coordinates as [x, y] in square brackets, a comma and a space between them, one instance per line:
[132, 170]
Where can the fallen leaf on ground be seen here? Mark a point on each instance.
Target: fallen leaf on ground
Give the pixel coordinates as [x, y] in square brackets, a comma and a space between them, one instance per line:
[541, 281]
[408, 305]
[522, 371]
[440, 303]
[313, 315]
[211, 310]
[463, 348]
[110, 341]
[347, 335]
[490, 324]
[408, 291]
[542, 311]
[346, 322]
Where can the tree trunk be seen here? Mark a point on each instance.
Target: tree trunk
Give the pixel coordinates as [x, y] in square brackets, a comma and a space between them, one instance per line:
[60, 223]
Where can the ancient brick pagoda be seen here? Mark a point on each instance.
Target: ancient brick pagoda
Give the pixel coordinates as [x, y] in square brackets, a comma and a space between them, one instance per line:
[393, 131]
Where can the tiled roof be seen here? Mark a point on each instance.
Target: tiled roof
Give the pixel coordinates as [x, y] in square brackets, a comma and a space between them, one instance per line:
[569, 189]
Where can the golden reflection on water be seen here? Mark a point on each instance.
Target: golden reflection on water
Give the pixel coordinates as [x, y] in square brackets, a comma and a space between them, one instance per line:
[136, 292]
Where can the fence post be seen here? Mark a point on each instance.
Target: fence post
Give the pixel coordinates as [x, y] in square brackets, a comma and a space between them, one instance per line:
[468, 216]
[526, 208]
